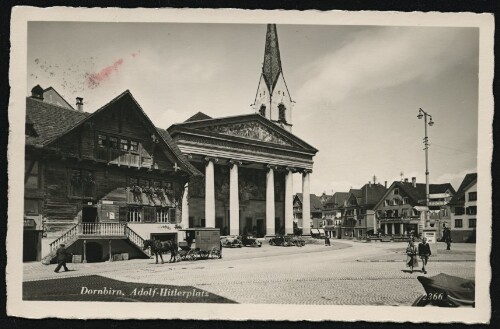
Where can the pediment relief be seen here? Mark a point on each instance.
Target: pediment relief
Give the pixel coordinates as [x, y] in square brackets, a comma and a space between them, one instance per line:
[251, 130]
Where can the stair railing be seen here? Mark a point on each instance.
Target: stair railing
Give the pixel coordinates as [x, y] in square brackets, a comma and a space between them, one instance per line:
[68, 235]
[134, 237]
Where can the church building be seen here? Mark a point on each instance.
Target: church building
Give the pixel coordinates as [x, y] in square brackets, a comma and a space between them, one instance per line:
[248, 161]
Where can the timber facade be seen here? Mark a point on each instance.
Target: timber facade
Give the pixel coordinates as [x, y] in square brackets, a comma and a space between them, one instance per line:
[107, 175]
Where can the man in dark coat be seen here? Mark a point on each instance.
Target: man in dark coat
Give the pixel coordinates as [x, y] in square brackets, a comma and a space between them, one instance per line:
[424, 251]
[447, 238]
[61, 254]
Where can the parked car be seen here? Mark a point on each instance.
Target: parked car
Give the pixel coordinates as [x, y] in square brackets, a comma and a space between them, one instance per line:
[282, 240]
[250, 241]
[231, 241]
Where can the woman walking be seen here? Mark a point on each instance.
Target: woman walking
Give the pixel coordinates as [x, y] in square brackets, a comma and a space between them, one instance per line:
[411, 256]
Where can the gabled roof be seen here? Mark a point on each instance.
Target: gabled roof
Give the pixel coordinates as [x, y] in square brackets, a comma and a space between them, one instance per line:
[371, 194]
[62, 98]
[49, 121]
[198, 116]
[52, 122]
[338, 199]
[469, 180]
[315, 201]
[417, 193]
[271, 67]
[208, 127]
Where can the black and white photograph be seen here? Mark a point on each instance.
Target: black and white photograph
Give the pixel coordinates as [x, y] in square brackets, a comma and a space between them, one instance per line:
[250, 165]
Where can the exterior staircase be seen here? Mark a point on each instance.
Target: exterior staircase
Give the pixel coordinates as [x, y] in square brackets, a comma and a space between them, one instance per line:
[95, 231]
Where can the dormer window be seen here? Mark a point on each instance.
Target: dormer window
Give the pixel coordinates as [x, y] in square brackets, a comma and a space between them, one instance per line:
[282, 112]
[262, 110]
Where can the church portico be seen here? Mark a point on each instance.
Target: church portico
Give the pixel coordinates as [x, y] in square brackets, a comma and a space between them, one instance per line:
[248, 160]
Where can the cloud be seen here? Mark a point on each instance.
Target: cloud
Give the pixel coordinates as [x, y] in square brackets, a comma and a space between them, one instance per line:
[382, 58]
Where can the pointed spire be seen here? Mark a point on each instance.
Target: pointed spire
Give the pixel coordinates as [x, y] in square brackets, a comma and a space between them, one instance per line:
[272, 61]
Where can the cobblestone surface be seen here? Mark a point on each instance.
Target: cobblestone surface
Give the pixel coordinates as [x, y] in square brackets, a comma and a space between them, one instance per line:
[314, 274]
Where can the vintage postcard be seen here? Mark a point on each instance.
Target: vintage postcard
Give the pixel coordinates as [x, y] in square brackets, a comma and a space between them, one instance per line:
[232, 164]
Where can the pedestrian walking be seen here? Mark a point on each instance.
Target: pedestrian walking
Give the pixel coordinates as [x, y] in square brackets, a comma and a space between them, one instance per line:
[447, 238]
[327, 240]
[411, 256]
[61, 255]
[220, 250]
[424, 251]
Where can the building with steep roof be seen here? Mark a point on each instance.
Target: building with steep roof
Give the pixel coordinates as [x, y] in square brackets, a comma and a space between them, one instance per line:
[248, 160]
[400, 209]
[333, 210]
[316, 207]
[109, 178]
[359, 216]
[464, 210]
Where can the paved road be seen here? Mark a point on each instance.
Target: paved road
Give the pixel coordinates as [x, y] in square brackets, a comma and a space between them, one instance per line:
[314, 274]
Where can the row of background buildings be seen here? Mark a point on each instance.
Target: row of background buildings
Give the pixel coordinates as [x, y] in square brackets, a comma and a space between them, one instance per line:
[376, 209]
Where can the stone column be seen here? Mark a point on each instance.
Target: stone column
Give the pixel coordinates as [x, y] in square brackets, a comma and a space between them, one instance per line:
[306, 205]
[270, 209]
[289, 201]
[385, 228]
[185, 207]
[234, 200]
[401, 229]
[209, 193]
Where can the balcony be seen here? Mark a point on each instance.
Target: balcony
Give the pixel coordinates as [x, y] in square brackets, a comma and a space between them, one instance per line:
[123, 158]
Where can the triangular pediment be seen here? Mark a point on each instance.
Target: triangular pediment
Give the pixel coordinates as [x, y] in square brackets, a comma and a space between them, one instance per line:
[254, 130]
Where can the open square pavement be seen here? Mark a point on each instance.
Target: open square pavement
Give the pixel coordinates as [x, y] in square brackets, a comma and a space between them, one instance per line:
[346, 273]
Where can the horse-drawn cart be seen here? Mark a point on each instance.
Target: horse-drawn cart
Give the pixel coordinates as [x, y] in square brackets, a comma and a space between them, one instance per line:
[200, 243]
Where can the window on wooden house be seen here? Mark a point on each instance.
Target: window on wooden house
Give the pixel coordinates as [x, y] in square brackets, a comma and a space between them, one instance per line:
[472, 196]
[472, 223]
[134, 215]
[32, 174]
[387, 202]
[396, 191]
[102, 147]
[31, 207]
[149, 214]
[458, 222]
[81, 183]
[162, 215]
[124, 145]
[406, 200]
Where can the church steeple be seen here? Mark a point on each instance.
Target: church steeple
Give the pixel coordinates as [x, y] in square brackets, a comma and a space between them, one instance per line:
[273, 100]
[272, 60]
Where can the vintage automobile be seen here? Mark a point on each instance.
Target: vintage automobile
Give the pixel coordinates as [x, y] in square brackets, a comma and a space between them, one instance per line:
[231, 241]
[282, 240]
[250, 241]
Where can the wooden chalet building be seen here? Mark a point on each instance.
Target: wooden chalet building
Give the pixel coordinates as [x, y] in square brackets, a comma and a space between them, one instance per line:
[100, 182]
[400, 209]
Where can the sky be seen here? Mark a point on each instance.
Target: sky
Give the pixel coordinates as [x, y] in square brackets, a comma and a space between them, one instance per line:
[357, 88]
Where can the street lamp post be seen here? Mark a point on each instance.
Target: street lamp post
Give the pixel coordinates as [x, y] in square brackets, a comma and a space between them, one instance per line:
[423, 114]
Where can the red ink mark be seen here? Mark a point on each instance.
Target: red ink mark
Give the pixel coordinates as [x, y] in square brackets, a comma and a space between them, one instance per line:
[95, 79]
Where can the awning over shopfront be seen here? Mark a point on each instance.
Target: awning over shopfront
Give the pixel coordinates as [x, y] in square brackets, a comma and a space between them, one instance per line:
[321, 231]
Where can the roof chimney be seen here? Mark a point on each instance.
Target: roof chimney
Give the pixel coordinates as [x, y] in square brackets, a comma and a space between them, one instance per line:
[414, 181]
[385, 184]
[37, 92]
[406, 180]
[79, 104]
[369, 183]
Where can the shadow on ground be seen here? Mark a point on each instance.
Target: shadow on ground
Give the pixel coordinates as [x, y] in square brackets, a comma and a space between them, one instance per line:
[100, 289]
